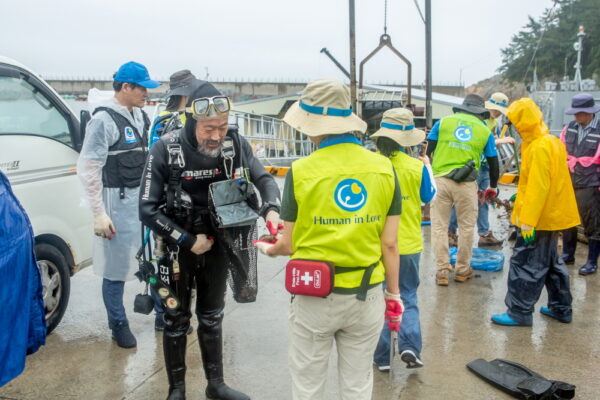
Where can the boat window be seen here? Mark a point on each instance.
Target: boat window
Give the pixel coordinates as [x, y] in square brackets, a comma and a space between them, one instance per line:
[24, 110]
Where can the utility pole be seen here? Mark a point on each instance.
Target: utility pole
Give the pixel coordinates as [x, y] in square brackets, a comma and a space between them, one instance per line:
[579, 47]
[428, 88]
[352, 58]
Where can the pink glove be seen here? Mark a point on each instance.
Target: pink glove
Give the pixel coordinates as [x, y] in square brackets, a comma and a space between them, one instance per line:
[393, 311]
[272, 230]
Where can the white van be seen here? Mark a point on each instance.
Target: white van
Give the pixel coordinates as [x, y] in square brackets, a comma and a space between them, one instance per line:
[39, 145]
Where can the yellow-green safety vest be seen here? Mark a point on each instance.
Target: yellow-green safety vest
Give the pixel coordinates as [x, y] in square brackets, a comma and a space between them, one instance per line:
[461, 138]
[409, 171]
[344, 193]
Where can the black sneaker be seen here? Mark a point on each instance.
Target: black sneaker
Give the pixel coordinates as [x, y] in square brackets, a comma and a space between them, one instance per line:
[123, 336]
[411, 359]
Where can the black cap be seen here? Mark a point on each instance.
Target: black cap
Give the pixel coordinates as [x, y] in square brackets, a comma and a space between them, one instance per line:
[473, 104]
[182, 83]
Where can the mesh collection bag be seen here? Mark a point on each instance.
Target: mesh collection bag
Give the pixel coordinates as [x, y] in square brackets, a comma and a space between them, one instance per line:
[233, 206]
[240, 259]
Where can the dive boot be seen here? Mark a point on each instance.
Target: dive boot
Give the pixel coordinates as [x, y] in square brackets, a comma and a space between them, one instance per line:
[210, 337]
[177, 394]
[217, 389]
[174, 344]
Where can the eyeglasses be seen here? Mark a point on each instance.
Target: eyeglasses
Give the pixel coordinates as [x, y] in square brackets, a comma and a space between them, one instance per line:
[201, 108]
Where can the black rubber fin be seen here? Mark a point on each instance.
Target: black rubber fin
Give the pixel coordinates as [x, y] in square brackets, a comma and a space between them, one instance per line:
[519, 381]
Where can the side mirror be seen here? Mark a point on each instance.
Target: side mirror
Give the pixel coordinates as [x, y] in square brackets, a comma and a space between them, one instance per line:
[84, 118]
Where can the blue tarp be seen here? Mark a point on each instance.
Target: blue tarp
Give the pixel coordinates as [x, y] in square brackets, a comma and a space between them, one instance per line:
[483, 260]
[22, 319]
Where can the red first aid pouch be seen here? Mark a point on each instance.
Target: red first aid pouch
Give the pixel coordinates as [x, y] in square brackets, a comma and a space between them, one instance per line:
[309, 277]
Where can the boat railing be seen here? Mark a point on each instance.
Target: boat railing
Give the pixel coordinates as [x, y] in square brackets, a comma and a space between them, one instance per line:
[273, 141]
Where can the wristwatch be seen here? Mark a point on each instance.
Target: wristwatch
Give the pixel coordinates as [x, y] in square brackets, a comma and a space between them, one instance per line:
[268, 206]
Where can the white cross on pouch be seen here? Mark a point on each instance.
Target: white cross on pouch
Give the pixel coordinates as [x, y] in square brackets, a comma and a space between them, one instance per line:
[306, 278]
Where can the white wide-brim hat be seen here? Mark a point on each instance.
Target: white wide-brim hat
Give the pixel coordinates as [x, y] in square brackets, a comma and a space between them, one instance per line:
[324, 108]
[498, 101]
[398, 124]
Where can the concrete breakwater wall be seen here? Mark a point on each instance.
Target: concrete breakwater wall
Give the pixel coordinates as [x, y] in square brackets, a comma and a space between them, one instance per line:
[239, 91]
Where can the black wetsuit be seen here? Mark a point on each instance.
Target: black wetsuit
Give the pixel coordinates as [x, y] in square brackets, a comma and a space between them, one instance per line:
[208, 272]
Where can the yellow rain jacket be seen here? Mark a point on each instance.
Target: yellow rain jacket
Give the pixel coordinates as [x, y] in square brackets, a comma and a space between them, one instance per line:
[545, 196]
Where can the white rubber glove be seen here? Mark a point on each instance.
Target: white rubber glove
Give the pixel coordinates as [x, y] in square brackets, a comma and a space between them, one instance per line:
[103, 226]
[202, 244]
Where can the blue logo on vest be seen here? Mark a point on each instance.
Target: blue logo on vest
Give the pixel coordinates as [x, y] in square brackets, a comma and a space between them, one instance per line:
[463, 134]
[129, 135]
[350, 195]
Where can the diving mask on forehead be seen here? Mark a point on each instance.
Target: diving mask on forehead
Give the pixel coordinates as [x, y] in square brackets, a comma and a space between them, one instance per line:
[206, 107]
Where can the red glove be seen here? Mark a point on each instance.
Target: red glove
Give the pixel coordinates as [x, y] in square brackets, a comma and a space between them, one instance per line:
[272, 230]
[490, 194]
[393, 311]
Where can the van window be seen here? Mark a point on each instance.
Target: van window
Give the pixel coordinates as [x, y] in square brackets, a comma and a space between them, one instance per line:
[27, 111]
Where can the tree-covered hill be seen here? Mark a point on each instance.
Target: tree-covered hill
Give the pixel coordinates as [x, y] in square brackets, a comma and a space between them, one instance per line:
[557, 27]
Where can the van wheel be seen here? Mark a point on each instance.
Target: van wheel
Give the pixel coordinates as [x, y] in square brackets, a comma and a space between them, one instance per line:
[56, 283]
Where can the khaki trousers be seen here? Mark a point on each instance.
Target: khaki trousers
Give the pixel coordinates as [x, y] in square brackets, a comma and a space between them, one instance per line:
[463, 196]
[314, 323]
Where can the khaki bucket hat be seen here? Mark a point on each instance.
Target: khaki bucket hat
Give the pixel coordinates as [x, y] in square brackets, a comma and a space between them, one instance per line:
[498, 101]
[324, 108]
[398, 124]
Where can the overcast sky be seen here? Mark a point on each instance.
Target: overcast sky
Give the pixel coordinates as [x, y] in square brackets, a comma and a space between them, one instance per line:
[258, 39]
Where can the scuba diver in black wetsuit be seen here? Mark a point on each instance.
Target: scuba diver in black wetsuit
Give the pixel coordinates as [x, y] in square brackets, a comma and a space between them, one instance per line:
[176, 203]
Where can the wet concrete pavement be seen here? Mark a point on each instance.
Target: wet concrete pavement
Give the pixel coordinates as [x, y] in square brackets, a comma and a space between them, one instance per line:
[80, 361]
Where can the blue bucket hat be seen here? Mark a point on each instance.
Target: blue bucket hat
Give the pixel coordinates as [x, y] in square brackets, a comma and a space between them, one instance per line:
[583, 102]
[133, 72]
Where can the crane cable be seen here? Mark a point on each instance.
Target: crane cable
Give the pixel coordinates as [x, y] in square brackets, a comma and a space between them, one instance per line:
[537, 46]
[385, 18]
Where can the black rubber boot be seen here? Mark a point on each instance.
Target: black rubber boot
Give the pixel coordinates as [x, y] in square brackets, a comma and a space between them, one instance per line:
[211, 346]
[174, 344]
[569, 245]
[591, 265]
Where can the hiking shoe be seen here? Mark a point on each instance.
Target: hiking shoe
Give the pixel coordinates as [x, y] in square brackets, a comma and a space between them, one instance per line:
[588, 268]
[441, 277]
[452, 239]
[382, 368]
[411, 359]
[464, 277]
[123, 336]
[505, 320]
[489, 240]
[547, 312]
